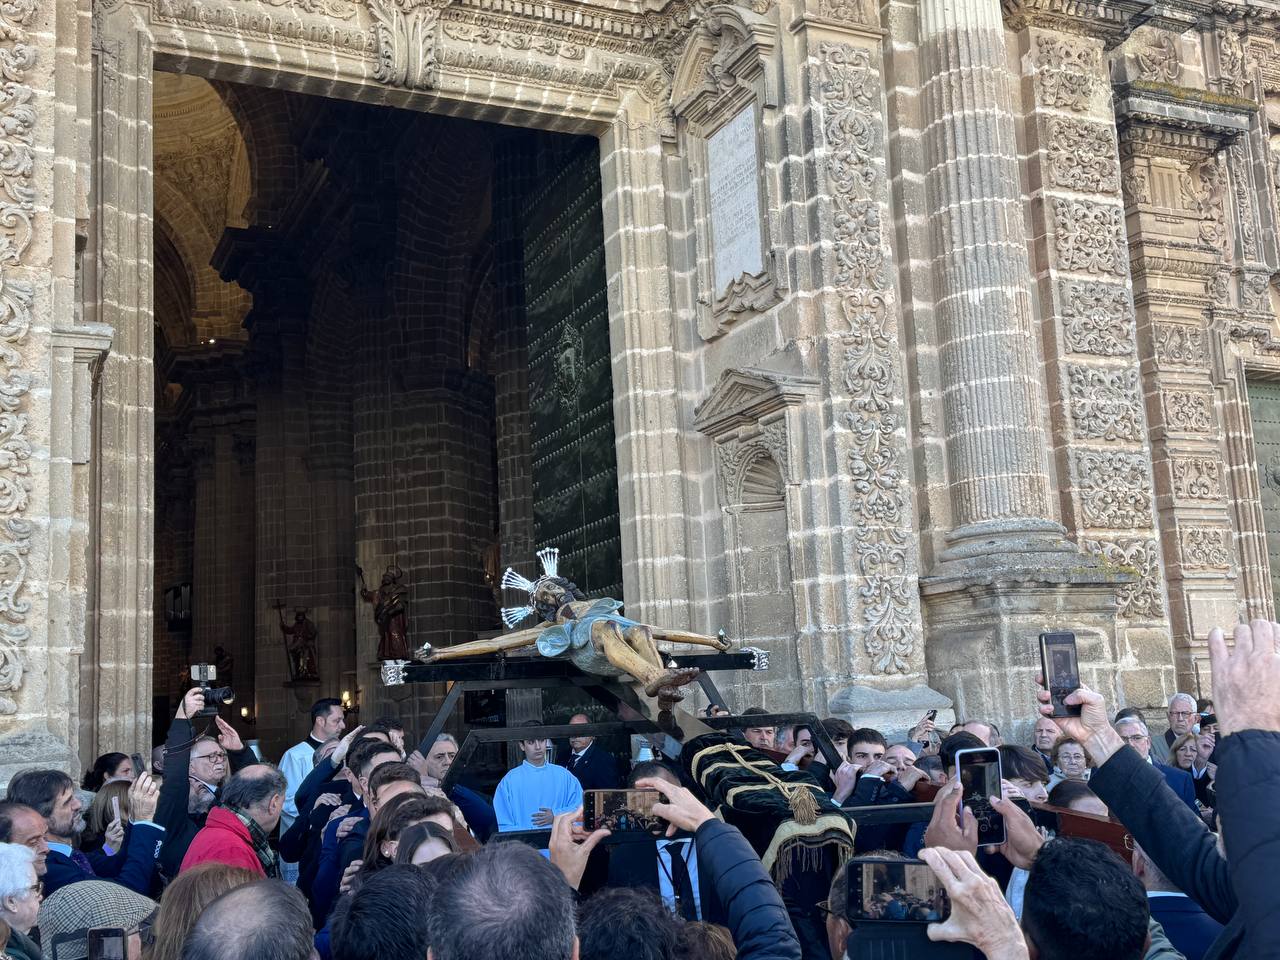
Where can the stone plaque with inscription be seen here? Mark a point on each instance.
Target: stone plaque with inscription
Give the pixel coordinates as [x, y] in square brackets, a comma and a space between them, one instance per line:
[733, 184]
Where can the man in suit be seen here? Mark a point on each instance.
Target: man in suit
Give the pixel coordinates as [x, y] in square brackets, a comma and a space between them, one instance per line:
[1185, 923]
[52, 794]
[594, 767]
[1182, 717]
[1134, 732]
[669, 866]
[1158, 820]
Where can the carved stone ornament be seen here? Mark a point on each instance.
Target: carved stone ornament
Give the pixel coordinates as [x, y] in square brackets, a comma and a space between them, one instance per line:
[1159, 61]
[1144, 598]
[1137, 185]
[1081, 156]
[1205, 548]
[488, 35]
[1196, 478]
[1246, 210]
[1255, 292]
[1234, 62]
[1065, 70]
[1106, 404]
[338, 9]
[406, 36]
[852, 130]
[1180, 344]
[1089, 237]
[1114, 487]
[17, 210]
[1203, 189]
[1188, 411]
[1096, 318]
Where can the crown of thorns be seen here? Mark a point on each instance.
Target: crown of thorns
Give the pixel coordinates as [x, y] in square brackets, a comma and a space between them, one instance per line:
[550, 561]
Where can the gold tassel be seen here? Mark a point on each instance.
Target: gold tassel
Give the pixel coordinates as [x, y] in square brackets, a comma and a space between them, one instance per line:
[803, 805]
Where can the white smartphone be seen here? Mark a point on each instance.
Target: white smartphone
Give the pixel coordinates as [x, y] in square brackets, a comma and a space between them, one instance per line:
[115, 806]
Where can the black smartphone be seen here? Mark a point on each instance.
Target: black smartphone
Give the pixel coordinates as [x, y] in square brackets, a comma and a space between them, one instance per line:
[106, 943]
[905, 891]
[931, 715]
[1060, 670]
[622, 811]
[980, 775]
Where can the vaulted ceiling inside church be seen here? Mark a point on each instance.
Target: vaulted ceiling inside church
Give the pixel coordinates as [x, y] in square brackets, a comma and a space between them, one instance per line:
[201, 187]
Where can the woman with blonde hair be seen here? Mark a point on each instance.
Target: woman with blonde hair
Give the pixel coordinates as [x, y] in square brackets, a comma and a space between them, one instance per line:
[104, 823]
[183, 902]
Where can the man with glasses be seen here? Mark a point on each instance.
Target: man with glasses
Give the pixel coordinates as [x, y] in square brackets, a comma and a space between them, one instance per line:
[1182, 717]
[1134, 732]
[196, 767]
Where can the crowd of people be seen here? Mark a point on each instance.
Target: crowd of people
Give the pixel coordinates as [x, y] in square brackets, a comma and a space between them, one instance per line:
[357, 847]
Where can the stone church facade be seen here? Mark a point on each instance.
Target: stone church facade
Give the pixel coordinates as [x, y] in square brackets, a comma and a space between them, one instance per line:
[922, 328]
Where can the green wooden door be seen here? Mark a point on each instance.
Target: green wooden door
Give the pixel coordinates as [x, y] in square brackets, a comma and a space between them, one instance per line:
[1264, 407]
[575, 465]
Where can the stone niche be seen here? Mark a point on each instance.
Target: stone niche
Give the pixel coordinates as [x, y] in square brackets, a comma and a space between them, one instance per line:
[752, 416]
[723, 85]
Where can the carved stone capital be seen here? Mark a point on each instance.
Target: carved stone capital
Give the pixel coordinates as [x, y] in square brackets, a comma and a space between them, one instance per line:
[1110, 22]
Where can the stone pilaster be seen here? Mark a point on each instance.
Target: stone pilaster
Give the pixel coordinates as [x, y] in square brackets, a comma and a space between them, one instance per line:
[1008, 572]
[1098, 432]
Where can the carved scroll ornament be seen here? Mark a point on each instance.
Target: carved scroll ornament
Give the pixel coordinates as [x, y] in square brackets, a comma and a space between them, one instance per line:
[406, 34]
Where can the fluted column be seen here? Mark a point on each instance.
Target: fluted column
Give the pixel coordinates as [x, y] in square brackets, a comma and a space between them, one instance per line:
[991, 398]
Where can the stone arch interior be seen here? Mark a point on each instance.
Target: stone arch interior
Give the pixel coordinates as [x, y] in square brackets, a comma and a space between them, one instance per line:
[382, 343]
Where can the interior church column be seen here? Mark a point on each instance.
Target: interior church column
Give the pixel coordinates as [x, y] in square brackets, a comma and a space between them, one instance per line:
[1007, 550]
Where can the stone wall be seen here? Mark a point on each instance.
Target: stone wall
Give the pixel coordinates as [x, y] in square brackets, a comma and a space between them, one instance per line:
[985, 374]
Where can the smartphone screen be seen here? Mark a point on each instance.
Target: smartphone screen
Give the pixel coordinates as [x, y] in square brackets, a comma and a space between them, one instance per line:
[106, 943]
[1061, 671]
[621, 811]
[980, 775]
[899, 890]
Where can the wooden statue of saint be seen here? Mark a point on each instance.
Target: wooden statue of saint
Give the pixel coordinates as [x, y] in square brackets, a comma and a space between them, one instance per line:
[389, 613]
[300, 641]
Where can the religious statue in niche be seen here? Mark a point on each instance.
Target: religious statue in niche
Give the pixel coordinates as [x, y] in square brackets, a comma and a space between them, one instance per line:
[389, 613]
[589, 633]
[300, 642]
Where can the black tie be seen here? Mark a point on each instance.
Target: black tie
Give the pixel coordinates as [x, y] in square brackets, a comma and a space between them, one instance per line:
[573, 761]
[686, 902]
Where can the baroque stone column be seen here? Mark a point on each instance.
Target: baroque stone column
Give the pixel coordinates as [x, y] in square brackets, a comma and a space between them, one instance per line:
[1001, 578]
[991, 396]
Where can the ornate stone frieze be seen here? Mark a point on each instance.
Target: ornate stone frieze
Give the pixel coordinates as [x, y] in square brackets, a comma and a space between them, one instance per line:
[1096, 318]
[17, 211]
[1188, 411]
[850, 99]
[849, 11]
[278, 25]
[1114, 488]
[1159, 61]
[338, 9]
[491, 36]
[1081, 156]
[1205, 548]
[488, 63]
[1105, 403]
[1196, 478]
[1065, 70]
[1144, 598]
[1089, 237]
[1180, 344]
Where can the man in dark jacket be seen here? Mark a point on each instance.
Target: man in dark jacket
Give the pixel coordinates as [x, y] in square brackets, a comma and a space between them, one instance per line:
[1189, 928]
[1134, 732]
[52, 794]
[669, 866]
[1173, 837]
[595, 767]
[195, 769]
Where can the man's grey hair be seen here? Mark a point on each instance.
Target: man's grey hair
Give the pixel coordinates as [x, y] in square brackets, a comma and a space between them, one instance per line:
[263, 920]
[1182, 696]
[252, 786]
[15, 877]
[446, 736]
[505, 901]
[1133, 722]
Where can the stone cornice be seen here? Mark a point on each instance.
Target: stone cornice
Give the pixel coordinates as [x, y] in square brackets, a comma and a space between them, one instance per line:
[1162, 120]
[1109, 22]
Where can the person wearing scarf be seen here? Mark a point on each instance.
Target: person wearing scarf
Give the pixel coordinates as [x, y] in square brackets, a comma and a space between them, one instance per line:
[237, 831]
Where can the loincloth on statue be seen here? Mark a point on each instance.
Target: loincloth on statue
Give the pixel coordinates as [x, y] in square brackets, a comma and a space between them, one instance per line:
[572, 639]
[790, 821]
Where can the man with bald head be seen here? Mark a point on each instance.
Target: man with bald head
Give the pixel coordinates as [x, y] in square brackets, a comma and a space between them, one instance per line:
[595, 767]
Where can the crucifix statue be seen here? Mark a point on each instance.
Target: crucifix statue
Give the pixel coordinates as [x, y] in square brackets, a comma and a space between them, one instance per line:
[590, 633]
